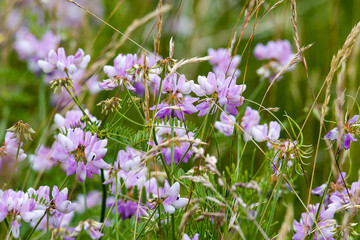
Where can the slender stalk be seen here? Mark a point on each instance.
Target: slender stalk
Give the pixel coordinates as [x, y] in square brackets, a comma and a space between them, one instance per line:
[272, 213]
[122, 115]
[152, 214]
[34, 228]
[47, 227]
[103, 200]
[84, 190]
[15, 163]
[137, 109]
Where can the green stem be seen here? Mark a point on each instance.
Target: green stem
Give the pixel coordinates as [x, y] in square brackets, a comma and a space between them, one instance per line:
[122, 115]
[84, 190]
[137, 109]
[103, 200]
[37, 224]
[142, 230]
[272, 213]
[47, 227]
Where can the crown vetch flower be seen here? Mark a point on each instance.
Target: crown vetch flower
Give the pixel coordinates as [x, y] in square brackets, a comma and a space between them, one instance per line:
[176, 102]
[326, 223]
[9, 150]
[72, 119]
[226, 124]
[59, 61]
[223, 62]
[172, 197]
[195, 237]
[17, 206]
[163, 134]
[278, 53]
[218, 89]
[351, 128]
[82, 152]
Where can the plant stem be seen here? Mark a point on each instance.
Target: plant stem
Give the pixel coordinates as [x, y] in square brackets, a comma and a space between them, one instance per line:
[272, 213]
[103, 200]
[37, 224]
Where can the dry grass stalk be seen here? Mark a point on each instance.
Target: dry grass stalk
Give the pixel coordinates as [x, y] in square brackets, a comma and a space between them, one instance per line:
[284, 230]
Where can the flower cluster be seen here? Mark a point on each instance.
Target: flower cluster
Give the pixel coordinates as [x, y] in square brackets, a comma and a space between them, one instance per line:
[260, 133]
[17, 206]
[351, 129]
[223, 62]
[31, 49]
[278, 54]
[57, 60]
[82, 152]
[11, 150]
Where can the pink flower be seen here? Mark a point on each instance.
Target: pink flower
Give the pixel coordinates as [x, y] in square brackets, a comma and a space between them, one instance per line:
[226, 124]
[172, 197]
[59, 61]
[82, 152]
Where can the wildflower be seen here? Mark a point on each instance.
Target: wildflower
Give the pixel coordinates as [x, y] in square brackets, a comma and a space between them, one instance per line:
[127, 208]
[221, 90]
[176, 104]
[82, 152]
[326, 223]
[249, 121]
[91, 226]
[172, 197]
[59, 61]
[110, 104]
[278, 53]
[31, 49]
[17, 206]
[226, 124]
[186, 237]
[223, 62]
[163, 134]
[72, 119]
[57, 206]
[350, 127]
[42, 159]
[9, 151]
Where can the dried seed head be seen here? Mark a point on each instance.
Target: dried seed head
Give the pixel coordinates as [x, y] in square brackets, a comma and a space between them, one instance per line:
[61, 83]
[22, 130]
[110, 104]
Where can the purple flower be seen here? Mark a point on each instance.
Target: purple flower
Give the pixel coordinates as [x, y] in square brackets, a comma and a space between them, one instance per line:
[274, 133]
[172, 197]
[31, 49]
[17, 206]
[90, 226]
[59, 61]
[72, 119]
[249, 121]
[351, 128]
[326, 223]
[278, 53]
[186, 237]
[9, 150]
[223, 62]
[175, 102]
[163, 134]
[42, 159]
[82, 152]
[226, 124]
[127, 208]
[218, 89]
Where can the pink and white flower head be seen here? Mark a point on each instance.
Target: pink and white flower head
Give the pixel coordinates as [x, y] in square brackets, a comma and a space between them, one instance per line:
[351, 129]
[226, 124]
[326, 224]
[31, 49]
[177, 102]
[172, 197]
[42, 159]
[72, 119]
[278, 53]
[91, 226]
[59, 61]
[82, 152]
[9, 150]
[223, 62]
[163, 134]
[250, 120]
[218, 89]
[186, 237]
[17, 206]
